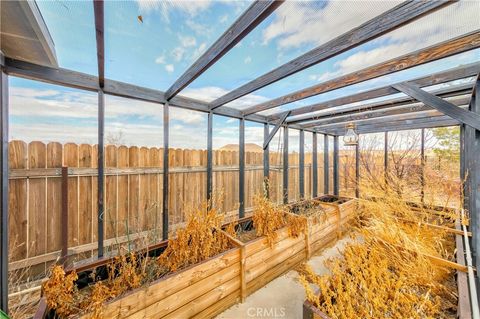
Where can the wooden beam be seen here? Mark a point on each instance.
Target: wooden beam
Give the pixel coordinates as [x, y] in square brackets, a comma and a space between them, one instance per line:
[275, 129]
[384, 114]
[464, 116]
[460, 72]
[398, 16]
[438, 51]
[254, 15]
[457, 91]
[98, 8]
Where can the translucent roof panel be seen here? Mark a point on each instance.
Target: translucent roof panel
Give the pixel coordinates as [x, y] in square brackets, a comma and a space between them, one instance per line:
[151, 43]
[408, 74]
[447, 23]
[72, 27]
[293, 29]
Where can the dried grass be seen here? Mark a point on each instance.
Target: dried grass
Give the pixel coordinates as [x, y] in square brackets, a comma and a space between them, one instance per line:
[385, 273]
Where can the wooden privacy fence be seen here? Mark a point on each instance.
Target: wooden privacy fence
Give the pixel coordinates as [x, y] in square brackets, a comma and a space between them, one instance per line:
[133, 192]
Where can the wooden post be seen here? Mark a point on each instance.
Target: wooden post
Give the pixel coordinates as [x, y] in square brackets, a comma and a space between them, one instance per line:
[285, 165]
[325, 165]
[301, 167]
[336, 179]
[4, 196]
[101, 176]
[241, 168]
[314, 166]
[64, 220]
[266, 161]
[166, 122]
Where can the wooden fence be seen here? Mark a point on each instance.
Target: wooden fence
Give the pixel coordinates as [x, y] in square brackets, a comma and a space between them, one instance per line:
[133, 192]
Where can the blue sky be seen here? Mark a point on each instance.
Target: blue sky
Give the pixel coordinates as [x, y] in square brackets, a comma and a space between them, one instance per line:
[155, 52]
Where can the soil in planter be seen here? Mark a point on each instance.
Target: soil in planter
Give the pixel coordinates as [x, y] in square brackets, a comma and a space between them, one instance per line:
[308, 209]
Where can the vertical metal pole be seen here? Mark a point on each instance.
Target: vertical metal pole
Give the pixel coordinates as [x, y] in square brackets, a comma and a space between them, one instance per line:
[385, 159]
[101, 177]
[285, 165]
[474, 173]
[166, 124]
[357, 170]
[462, 166]
[336, 180]
[64, 220]
[266, 161]
[4, 197]
[209, 157]
[301, 166]
[422, 155]
[314, 166]
[241, 169]
[326, 164]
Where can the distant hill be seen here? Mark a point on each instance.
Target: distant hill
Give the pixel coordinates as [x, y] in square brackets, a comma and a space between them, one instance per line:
[249, 147]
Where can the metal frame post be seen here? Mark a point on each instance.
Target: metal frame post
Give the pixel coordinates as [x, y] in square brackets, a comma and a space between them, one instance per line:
[336, 180]
[101, 176]
[166, 122]
[314, 166]
[266, 161]
[357, 170]
[209, 157]
[4, 197]
[422, 158]
[285, 165]
[385, 159]
[326, 164]
[301, 166]
[241, 169]
[462, 166]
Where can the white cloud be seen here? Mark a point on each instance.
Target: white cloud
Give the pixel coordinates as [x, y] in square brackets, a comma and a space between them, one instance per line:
[160, 59]
[198, 51]
[444, 24]
[188, 41]
[178, 54]
[247, 60]
[169, 68]
[198, 28]
[297, 23]
[165, 7]
[224, 18]
[211, 93]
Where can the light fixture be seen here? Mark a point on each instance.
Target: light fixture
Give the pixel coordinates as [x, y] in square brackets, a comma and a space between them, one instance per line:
[351, 137]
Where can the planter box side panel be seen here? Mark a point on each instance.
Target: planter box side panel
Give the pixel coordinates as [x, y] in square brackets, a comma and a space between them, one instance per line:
[167, 290]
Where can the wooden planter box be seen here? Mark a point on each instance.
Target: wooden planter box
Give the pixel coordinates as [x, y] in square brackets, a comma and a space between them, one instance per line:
[262, 262]
[329, 224]
[202, 290]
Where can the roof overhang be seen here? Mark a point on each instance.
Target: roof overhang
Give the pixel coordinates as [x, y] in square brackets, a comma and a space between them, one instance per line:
[24, 34]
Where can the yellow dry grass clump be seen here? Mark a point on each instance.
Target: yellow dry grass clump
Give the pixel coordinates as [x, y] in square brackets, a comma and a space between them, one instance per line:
[268, 218]
[387, 272]
[197, 241]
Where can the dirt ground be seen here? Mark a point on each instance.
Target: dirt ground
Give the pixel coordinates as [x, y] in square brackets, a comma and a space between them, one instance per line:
[284, 296]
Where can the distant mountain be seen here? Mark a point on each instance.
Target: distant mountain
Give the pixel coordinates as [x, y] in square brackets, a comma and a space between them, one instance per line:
[249, 147]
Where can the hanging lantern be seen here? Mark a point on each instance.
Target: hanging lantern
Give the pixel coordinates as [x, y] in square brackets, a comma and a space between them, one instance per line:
[351, 137]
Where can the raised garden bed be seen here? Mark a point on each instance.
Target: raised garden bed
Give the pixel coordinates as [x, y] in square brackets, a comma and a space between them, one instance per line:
[199, 290]
[326, 219]
[265, 260]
